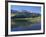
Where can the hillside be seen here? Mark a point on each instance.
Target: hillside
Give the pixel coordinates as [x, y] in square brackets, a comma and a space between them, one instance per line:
[23, 14]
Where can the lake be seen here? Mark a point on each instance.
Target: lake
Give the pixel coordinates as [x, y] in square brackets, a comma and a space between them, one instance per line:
[36, 26]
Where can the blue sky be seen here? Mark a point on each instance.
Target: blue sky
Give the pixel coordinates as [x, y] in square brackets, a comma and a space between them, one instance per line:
[34, 9]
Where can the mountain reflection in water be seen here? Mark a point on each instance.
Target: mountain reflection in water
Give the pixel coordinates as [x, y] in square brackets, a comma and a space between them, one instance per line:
[36, 26]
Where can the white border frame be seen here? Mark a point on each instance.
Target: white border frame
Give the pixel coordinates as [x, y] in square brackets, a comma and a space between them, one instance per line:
[23, 32]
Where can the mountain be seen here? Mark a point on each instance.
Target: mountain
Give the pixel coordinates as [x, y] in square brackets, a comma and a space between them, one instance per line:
[23, 14]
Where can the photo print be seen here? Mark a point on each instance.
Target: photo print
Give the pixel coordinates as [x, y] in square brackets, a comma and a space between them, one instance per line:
[25, 18]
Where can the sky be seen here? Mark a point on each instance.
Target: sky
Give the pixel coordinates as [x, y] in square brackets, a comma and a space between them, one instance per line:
[34, 9]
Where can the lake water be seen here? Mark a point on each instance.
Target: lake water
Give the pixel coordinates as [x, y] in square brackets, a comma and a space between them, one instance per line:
[36, 26]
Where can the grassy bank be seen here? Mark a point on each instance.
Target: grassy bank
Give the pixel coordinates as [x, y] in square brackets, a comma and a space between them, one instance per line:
[36, 19]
